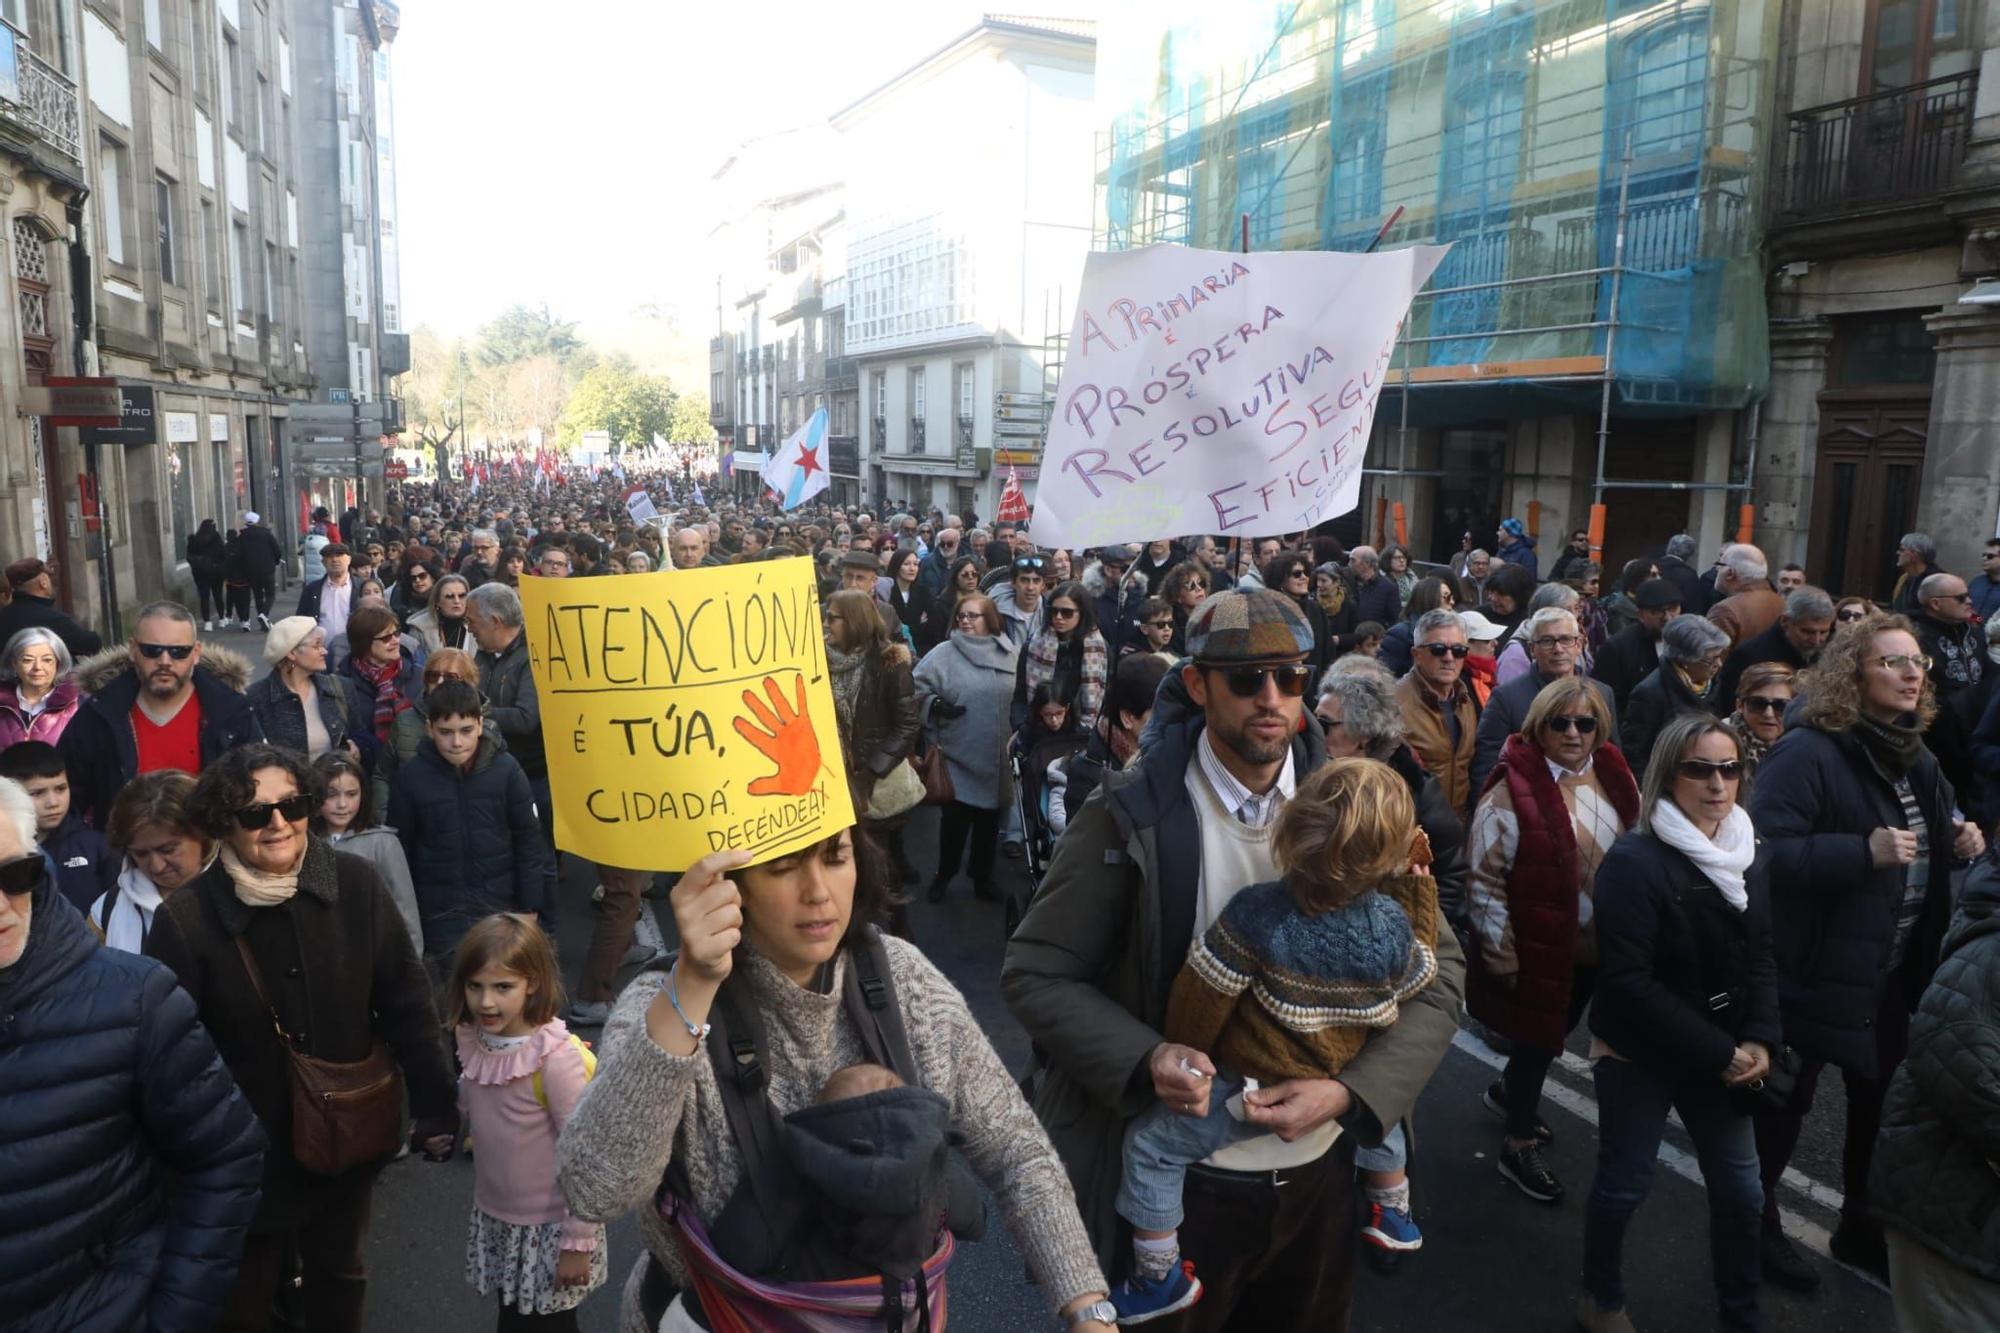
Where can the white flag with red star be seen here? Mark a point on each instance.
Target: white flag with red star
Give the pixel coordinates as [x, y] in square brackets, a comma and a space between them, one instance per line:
[797, 472]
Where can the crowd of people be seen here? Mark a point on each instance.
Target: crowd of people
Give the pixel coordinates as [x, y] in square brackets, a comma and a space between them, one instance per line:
[1289, 812]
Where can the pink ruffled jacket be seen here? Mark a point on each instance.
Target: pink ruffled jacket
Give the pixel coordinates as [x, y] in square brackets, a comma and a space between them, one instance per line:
[515, 1135]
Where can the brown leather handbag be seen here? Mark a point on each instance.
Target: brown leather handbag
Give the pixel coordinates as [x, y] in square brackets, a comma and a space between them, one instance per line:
[931, 767]
[344, 1113]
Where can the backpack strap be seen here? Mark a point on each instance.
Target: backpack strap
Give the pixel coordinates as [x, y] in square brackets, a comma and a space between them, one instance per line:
[742, 1078]
[869, 996]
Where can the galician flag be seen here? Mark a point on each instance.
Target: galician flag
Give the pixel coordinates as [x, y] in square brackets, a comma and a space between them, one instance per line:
[699, 501]
[797, 472]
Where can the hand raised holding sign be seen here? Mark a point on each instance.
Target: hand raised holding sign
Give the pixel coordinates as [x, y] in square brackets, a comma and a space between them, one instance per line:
[787, 740]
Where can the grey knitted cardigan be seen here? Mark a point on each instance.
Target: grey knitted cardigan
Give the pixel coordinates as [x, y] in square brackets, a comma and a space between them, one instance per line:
[646, 1105]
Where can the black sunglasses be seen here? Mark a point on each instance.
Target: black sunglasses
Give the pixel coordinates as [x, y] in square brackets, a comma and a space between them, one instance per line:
[1248, 682]
[178, 651]
[1755, 704]
[1561, 724]
[24, 876]
[292, 808]
[1440, 649]
[1699, 770]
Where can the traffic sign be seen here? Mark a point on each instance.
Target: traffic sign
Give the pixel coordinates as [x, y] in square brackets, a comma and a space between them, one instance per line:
[1019, 400]
[1030, 428]
[1034, 413]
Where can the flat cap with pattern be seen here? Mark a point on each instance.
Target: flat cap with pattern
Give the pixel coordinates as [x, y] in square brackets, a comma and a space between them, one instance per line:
[1247, 626]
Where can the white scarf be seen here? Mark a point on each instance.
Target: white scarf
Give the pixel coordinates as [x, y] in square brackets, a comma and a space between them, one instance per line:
[1723, 858]
[255, 888]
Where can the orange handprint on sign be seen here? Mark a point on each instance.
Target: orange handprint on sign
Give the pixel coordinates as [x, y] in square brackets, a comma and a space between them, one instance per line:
[787, 740]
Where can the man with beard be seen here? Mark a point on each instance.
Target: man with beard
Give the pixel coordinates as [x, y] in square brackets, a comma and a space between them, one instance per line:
[166, 709]
[1795, 640]
[1144, 867]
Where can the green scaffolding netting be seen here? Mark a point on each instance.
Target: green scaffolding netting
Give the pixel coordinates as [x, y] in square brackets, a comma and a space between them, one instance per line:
[1506, 128]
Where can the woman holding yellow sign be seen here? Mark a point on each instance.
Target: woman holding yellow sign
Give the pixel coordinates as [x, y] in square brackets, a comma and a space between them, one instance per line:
[783, 995]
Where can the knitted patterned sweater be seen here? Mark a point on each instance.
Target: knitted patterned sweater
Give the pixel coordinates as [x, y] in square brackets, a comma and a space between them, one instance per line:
[1274, 993]
[646, 1107]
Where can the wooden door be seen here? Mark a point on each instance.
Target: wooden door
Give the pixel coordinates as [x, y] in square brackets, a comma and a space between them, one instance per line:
[1865, 487]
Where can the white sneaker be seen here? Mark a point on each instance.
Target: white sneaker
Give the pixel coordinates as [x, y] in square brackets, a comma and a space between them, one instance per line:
[208, 627]
[263, 622]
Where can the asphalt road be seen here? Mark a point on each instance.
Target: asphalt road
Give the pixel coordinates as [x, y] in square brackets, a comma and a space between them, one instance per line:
[1492, 1260]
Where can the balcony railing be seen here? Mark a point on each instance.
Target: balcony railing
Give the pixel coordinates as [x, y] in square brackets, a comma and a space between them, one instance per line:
[39, 98]
[965, 432]
[916, 435]
[1884, 148]
[878, 435]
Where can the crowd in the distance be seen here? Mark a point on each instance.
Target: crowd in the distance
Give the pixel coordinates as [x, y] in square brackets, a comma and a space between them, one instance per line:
[1287, 809]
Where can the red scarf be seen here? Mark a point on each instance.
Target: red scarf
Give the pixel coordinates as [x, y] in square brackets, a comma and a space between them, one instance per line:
[389, 699]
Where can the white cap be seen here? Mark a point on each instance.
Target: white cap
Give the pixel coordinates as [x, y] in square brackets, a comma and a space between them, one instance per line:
[250, 517]
[1478, 628]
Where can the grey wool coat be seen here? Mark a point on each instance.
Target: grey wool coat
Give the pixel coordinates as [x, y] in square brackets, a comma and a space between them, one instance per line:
[975, 672]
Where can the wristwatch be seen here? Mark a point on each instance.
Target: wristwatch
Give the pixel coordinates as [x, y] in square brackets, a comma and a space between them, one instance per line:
[1100, 1312]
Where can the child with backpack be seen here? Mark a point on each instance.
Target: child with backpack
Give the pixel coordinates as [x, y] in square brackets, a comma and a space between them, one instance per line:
[1288, 983]
[521, 1074]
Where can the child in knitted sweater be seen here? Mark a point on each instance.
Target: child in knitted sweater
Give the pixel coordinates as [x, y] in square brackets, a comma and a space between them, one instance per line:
[1289, 983]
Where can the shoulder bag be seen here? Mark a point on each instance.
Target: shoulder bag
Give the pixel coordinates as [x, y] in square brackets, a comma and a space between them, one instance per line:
[344, 1113]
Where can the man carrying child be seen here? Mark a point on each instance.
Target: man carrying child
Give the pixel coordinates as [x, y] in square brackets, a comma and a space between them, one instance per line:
[1149, 865]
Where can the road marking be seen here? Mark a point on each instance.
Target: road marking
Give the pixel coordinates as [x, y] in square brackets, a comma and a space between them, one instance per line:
[1677, 1160]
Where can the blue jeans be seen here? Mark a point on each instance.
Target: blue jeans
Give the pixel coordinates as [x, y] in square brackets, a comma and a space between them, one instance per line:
[1632, 1106]
[1393, 1155]
[1161, 1144]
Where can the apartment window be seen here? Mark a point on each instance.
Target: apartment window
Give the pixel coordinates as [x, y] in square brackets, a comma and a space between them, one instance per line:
[163, 211]
[156, 28]
[229, 70]
[239, 266]
[267, 102]
[199, 28]
[116, 165]
[916, 393]
[271, 307]
[213, 255]
[966, 380]
[878, 393]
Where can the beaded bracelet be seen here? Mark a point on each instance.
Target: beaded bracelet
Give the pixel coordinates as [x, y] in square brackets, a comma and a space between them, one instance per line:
[699, 1031]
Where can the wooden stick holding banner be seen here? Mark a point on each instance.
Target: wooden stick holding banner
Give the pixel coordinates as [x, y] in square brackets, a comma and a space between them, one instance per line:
[687, 712]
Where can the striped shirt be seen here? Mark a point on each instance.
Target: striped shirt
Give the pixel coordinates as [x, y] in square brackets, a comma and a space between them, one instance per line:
[1256, 809]
[1917, 881]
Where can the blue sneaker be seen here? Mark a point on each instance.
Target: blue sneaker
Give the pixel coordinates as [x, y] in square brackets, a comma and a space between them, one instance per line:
[1392, 1229]
[1140, 1300]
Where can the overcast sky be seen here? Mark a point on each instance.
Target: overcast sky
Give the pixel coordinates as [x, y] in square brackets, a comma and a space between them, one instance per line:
[558, 153]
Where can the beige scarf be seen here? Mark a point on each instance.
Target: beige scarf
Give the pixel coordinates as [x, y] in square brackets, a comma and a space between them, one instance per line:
[254, 888]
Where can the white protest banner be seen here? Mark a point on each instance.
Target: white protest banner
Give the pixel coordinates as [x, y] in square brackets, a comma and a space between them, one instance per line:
[1210, 392]
[640, 506]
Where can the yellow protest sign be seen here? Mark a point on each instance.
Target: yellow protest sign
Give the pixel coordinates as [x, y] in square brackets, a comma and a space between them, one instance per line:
[686, 712]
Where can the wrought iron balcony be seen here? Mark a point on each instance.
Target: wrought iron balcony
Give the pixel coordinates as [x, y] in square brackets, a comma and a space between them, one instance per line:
[916, 435]
[965, 432]
[878, 435]
[39, 98]
[1889, 147]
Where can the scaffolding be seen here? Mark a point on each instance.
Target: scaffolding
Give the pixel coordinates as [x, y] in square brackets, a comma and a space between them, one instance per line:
[1598, 166]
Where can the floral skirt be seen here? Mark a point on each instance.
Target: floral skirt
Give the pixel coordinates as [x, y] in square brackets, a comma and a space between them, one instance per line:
[518, 1259]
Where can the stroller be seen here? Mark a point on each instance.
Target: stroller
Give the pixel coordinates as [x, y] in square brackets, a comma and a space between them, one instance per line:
[1031, 789]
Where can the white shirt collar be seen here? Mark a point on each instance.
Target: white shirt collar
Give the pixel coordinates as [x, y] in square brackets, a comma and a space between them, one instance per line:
[1558, 772]
[1257, 809]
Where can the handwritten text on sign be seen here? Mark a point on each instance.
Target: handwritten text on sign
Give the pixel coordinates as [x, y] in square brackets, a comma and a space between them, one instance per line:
[686, 712]
[1220, 393]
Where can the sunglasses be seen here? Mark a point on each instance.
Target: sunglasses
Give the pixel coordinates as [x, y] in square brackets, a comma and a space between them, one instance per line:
[433, 677]
[292, 808]
[1850, 616]
[1561, 725]
[1248, 682]
[1757, 704]
[22, 877]
[1062, 613]
[178, 651]
[389, 636]
[1441, 649]
[1159, 624]
[1700, 770]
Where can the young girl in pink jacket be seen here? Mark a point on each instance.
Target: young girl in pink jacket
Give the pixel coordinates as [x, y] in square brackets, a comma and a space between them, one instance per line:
[521, 1075]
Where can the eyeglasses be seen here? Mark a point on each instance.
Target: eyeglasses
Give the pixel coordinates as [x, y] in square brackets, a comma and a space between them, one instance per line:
[1898, 661]
[1759, 704]
[388, 636]
[1442, 649]
[178, 651]
[969, 618]
[1062, 613]
[1700, 770]
[23, 876]
[1563, 722]
[1558, 641]
[1953, 597]
[1248, 682]
[292, 809]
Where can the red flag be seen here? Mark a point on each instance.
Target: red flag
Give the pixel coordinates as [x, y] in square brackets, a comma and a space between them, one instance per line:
[1013, 503]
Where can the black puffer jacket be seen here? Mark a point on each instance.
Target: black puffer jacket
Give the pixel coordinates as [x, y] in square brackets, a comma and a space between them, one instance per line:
[1441, 826]
[1668, 943]
[1936, 1174]
[1816, 800]
[128, 1159]
[472, 839]
[1657, 700]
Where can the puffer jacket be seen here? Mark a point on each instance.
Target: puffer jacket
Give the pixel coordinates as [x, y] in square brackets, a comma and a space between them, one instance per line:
[512, 704]
[49, 724]
[99, 746]
[1936, 1173]
[405, 735]
[471, 839]
[1657, 700]
[128, 1159]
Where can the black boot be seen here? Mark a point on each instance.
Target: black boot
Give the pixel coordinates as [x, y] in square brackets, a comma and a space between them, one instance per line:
[939, 883]
[1783, 1265]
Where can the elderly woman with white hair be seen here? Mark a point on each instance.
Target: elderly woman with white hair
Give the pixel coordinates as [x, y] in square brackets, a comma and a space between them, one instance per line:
[38, 689]
[1692, 650]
